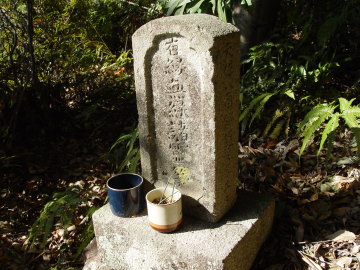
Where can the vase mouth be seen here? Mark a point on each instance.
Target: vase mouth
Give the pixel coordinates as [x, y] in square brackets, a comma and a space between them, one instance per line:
[157, 193]
[139, 181]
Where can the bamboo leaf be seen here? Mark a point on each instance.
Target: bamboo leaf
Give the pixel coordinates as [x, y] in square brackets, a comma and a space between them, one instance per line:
[196, 7]
[171, 6]
[246, 2]
[213, 2]
[180, 11]
[290, 93]
[127, 160]
[221, 11]
[120, 140]
[134, 162]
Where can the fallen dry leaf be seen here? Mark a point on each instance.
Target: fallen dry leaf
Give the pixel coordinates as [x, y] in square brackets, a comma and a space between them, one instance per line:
[71, 228]
[342, 179]
[314, 197]
[294, 190]
[309, 261]
[341, 235]
[355, 250]
[344, 261]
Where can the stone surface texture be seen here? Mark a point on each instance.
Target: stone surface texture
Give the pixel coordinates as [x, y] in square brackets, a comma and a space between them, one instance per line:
[231, 244]
[187, 86]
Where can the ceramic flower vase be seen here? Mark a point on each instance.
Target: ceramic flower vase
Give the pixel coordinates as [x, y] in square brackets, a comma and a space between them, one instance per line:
[164, 209]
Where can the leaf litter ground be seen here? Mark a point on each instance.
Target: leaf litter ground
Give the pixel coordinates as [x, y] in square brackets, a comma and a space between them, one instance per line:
[317, 217]
[318, 204]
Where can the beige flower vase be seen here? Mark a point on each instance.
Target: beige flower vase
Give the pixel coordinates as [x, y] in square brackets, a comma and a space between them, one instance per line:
[164, 209]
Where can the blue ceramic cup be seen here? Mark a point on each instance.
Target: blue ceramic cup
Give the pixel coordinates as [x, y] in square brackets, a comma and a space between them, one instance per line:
[126, 194]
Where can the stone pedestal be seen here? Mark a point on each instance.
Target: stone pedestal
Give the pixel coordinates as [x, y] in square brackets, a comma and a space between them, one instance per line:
[231, 244]
[187, 81]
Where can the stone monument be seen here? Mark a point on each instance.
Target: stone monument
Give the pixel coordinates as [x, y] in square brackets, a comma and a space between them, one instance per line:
[187, 88]
[187, 72]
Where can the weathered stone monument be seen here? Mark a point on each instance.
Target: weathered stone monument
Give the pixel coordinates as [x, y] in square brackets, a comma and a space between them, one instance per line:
[187, 72]
[187, 87]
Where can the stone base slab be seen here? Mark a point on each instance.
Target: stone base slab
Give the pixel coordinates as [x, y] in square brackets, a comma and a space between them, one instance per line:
[232, 243]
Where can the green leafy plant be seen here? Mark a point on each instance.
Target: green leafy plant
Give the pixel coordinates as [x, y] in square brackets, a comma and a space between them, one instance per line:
[328, 116]
[80, 59]
[60, 210]
[298, 66]
[274, 72]
[254, 109]
[87, 233]
[220, 8]
[263, 81]
[125, 153]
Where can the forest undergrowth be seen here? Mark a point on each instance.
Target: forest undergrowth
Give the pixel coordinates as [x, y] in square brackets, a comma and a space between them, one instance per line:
[68, 122]
[317, 213]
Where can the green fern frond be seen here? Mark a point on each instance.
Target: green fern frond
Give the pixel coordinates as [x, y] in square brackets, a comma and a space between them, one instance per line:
[350, 113]
[245, 115]
[312, 127]
[278, 128]
[320, 113]
[277, 114]
[316, 113]
[330, 127]
[244, 118]
[345, 104]
[350, 119]
[261, 106]
[251, 105]
[354, 110]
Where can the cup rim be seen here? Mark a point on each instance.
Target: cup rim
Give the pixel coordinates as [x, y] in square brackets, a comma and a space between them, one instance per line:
[166, 204]
[124, 189]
